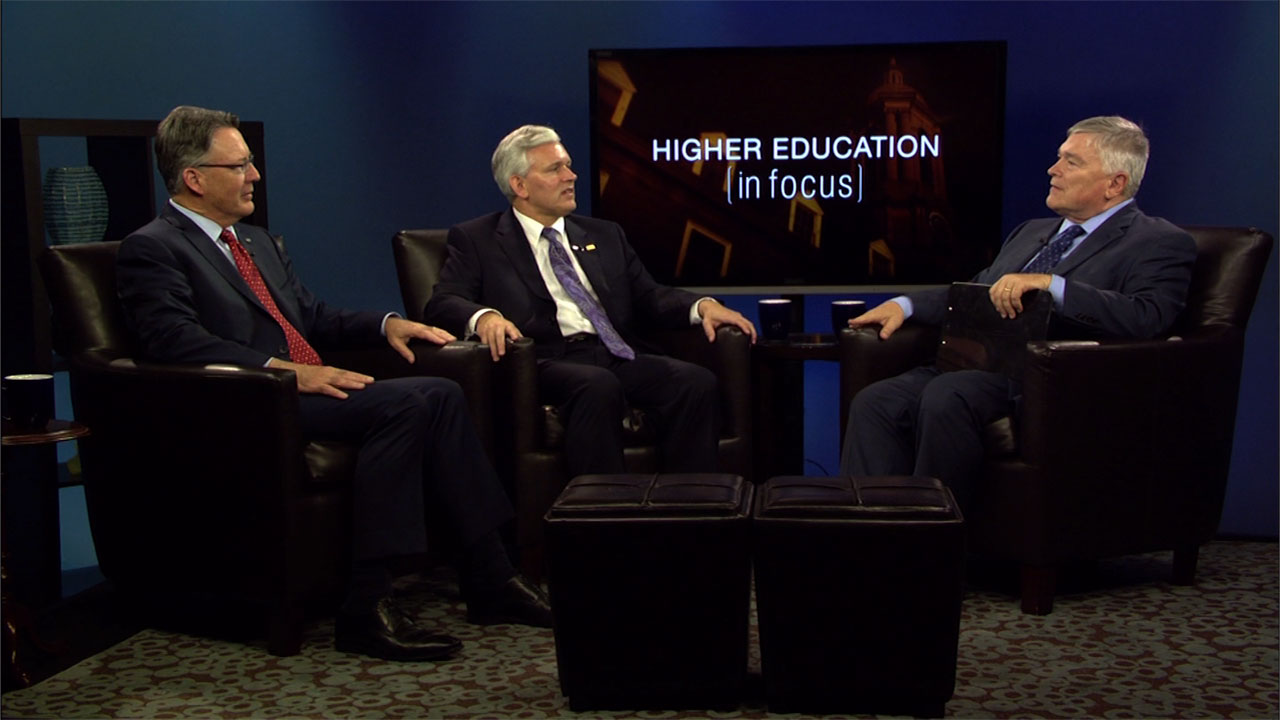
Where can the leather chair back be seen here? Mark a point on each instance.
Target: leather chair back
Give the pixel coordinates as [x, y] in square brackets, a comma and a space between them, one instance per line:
[81, 282]
[1224, 283]
[419, 255]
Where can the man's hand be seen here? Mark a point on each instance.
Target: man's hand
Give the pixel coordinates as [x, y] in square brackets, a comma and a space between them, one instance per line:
[494, 331]
[400, 332]
[888, 315]
[1006, 293]
[323, 379]
[714, 315]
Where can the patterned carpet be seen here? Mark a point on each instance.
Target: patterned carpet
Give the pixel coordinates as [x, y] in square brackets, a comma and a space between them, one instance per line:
[1123, 643]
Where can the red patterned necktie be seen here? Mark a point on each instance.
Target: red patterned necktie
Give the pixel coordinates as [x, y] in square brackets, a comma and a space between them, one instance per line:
[300, 351]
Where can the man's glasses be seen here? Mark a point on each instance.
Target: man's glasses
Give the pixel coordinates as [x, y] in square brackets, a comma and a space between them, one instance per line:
[242, 167]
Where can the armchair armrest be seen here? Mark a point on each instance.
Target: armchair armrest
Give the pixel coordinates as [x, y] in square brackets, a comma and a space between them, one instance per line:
[517, 381]
[1124, 446]
[466, 362]
[865, 358]
[729, 357]
[516, 387]
[1179, 394]
[169, 438]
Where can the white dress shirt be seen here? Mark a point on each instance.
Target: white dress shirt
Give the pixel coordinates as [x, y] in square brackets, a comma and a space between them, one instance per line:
[568, 315]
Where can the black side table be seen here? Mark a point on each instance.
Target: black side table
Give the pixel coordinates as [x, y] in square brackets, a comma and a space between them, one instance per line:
[778, 380]
[30, 544]
[29, 483]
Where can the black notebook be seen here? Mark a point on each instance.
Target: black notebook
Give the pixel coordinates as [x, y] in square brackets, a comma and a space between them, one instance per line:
[975, 337]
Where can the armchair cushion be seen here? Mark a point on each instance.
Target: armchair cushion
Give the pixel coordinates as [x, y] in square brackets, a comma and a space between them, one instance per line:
[636, 431]
[331, 463]
[538, 425]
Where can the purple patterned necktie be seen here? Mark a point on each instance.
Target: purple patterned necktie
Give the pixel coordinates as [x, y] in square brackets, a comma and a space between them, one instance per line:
[568, 277]
[1052, 252]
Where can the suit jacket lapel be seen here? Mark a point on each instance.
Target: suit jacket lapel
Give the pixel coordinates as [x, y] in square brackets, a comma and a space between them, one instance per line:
[516, 246]
[286, 303]
[579, 241]
[1110, 231]
[220, 263]
[1021, 250]
[210, 252]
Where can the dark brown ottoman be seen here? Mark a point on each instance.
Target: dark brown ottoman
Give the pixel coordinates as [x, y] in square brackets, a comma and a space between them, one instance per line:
[859, 582]
[650, 587]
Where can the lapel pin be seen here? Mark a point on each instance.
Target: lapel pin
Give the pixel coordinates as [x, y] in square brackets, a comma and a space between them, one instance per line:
[591, 247]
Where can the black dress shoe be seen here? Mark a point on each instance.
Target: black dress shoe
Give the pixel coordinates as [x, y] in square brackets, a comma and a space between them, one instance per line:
[387, 632]
[518, 601]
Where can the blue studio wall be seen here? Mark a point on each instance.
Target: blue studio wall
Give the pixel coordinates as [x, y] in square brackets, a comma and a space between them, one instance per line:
[381, 116]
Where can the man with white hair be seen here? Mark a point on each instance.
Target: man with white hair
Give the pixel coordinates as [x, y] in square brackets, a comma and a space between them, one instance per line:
[575, 285]
[1113, 272]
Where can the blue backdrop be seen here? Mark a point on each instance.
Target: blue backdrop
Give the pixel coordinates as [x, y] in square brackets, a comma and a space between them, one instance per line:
[382, 116]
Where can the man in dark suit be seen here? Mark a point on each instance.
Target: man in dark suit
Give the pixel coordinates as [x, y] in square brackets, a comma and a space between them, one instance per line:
[1113, 272]
[199, 287]
[575, 286]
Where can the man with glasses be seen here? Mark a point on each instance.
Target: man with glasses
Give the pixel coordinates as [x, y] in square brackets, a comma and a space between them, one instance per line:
[199, 287]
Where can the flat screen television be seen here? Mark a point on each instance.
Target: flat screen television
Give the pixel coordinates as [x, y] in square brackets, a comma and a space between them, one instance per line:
[802, 169]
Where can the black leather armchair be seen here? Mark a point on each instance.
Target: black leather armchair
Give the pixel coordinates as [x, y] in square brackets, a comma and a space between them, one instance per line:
[198, 481]
[1121, 447]
[529, 435]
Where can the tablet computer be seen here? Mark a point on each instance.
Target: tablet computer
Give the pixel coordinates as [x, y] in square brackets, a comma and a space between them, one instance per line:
[975, 337]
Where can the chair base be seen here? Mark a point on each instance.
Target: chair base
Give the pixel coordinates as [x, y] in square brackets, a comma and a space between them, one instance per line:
[284, 632]
[1184, 565]
[1039, 582]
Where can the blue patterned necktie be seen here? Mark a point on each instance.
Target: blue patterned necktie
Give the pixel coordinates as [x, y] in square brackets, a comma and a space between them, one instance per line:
[568, 277]
[1052, 252]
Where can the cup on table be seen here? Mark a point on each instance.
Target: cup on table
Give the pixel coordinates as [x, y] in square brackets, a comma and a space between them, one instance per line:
[842, 310]
[28, 400]
[775, 318]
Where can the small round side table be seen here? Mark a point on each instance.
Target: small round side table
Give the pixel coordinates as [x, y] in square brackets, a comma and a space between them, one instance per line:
[33, 578]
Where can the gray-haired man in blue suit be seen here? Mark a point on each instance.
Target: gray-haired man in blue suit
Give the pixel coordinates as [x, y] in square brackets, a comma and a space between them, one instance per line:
[1112, 270]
